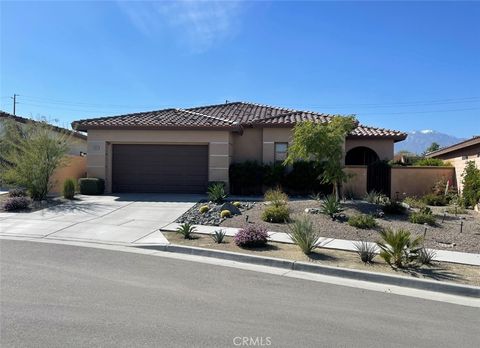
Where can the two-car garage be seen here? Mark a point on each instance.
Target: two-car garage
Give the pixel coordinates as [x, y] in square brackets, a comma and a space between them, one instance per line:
[159, 168]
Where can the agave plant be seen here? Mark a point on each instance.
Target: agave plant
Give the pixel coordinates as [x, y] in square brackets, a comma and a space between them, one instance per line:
[398, 248]
[331, 206]
[216, 193]
[186, 230]
[367, 251]
[304, 235]
[218, 236]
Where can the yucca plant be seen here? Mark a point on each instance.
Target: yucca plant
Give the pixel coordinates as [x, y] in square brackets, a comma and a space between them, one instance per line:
[367, 251]
[426, 256]
[186, 230]
[398, 248]
[218, 236]
[304, 235]
[331, 206]
[216, 193]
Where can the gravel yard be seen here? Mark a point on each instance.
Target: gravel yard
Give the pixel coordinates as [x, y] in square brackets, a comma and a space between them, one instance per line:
[443, 271]
[446, 235]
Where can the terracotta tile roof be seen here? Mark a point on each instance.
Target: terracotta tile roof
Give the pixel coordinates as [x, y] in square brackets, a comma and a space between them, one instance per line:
[160, 118]
[228, 115]
[6, 115]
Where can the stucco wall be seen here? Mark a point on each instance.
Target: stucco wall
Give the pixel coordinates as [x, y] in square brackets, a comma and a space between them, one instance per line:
[100, 149]
[417, 181]
[270, 137]
[455, 158]
[357, 183]
[75, 168]
[247, 146]
[383, 147]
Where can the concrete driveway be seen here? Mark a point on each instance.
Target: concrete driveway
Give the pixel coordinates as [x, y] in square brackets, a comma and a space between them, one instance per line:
[126, 218]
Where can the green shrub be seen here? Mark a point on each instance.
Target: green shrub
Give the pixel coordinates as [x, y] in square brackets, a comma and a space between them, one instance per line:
[186, 230]
[422, 218]
[331, 206]
[273, 174]
[431, 162]
[246, 177]
[216, 192]
[203, 209]
[375, 197]
[304, 235]
[218, 236]
[366, 251]
[225, 214]
[362, 221]
[304, 178]
[91, 186]
[393, 207]
[414, 202]
[276, 214]
[69, 189]
[398, 248]
[435, 200]
[457, 210]
[276, 197]
[471, 184]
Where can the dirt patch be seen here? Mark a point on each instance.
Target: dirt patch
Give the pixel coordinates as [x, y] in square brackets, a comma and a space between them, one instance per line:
[442, 271]
[442, 236]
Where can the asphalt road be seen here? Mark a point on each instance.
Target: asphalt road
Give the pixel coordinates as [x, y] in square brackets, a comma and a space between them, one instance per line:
[66, 296]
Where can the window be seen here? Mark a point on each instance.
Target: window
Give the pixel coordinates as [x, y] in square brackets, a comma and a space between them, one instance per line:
[281, 151]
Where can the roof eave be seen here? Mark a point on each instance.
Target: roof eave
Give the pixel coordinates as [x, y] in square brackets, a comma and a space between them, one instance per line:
[86, 128]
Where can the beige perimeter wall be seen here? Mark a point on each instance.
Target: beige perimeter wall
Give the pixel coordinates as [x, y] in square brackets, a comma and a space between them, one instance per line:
[100, 149]
[76, 168]
[417, 181]
[407, 181]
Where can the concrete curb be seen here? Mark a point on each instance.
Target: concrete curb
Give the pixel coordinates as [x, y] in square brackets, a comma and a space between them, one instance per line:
[387, 279]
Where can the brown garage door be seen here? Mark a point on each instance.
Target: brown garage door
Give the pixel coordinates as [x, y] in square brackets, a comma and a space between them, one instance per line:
[160, 168]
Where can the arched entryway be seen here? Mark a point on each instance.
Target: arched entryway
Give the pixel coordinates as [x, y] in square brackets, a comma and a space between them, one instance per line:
[361, 156]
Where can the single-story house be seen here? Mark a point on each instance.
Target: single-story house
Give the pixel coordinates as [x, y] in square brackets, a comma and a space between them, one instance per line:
[181, 150]
[458, 155]
[76, 164]
[78, 141]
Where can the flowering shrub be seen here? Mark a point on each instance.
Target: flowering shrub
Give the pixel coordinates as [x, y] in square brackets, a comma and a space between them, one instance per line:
[16, 203]
[251, 236]
[17, 192]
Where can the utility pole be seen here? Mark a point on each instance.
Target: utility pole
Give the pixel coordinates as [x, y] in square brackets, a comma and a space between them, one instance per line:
[14, 102]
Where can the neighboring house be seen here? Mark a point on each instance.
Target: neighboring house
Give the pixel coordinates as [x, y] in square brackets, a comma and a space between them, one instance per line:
[78, 141]
[458, 155]
[76, 163]
[181, 150]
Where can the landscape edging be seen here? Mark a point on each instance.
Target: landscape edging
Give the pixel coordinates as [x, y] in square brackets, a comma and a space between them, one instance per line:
[420, 284]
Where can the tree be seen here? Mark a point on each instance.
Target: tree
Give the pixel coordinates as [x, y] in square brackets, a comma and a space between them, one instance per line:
[30, 155]
[323, 143]
[433, 147]
[471, 184]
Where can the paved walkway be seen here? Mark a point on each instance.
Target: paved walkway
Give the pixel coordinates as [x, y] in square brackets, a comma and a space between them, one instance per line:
[332, 243]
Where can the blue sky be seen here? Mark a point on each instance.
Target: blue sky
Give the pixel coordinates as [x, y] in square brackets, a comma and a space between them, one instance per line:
[404, 65]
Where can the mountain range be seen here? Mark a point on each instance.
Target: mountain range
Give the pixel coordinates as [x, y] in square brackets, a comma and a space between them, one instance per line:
[418, 141]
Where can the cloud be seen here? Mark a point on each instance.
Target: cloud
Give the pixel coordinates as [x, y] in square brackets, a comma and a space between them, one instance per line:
[198, 24]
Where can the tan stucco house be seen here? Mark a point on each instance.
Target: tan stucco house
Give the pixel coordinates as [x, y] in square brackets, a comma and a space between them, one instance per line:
[77, 141]
[181, 150]
[458, 155]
